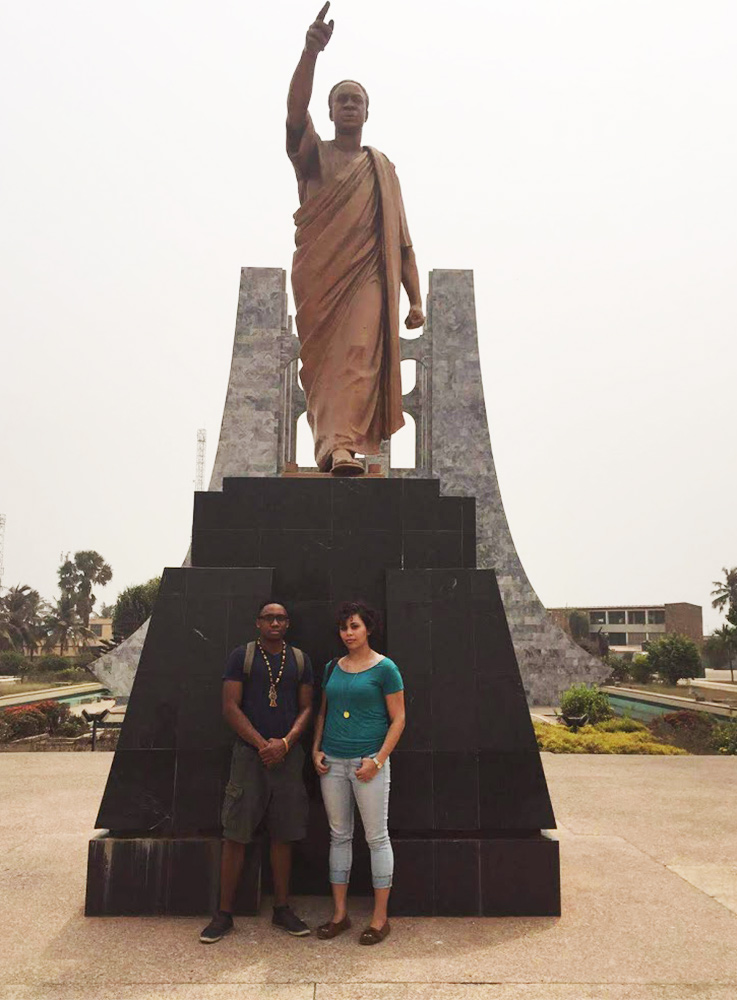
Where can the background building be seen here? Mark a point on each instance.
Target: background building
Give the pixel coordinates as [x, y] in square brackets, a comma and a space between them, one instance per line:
[628, 626]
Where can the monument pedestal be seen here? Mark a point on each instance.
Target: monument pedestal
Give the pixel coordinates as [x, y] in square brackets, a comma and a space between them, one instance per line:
[469, 798]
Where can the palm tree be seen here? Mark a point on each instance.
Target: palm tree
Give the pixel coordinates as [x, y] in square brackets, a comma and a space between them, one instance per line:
[63, 625]
[725, 592]
[724, 641]
[77, 576]
[20, 618]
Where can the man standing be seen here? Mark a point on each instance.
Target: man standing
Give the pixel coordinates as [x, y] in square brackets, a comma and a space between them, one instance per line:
[353, 253]
[267, 700]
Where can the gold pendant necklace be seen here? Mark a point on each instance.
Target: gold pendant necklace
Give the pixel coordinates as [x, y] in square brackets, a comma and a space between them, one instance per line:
[273, 682]
[348, 685]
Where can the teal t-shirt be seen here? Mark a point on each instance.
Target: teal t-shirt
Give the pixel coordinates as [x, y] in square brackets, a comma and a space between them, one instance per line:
[362, 696]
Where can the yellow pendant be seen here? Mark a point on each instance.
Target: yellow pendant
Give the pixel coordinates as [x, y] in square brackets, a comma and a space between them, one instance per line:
[346, 715]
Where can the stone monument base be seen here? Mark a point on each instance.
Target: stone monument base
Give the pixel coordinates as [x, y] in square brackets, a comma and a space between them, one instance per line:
[435, 877]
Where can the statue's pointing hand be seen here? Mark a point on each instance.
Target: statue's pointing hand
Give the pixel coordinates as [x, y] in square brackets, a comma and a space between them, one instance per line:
[318, 33]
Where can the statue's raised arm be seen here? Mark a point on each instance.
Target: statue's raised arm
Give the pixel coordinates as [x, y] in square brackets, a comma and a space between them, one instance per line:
[300, 90]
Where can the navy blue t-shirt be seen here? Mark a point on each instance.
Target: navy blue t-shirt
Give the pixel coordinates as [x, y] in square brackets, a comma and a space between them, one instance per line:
[271, 723]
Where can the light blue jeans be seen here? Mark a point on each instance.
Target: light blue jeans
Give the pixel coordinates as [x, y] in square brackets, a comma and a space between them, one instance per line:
[340, 789]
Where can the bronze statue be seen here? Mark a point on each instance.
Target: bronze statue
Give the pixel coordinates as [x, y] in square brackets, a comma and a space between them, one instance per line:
[353, 253]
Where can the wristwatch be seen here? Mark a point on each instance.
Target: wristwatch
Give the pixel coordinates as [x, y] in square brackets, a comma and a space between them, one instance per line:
[378, 763]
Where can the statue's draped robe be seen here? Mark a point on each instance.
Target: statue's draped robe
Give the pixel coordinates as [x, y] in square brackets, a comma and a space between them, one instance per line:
[346, 278]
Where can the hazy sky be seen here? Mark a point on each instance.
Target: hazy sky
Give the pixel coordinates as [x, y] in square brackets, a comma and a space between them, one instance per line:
[579, 155]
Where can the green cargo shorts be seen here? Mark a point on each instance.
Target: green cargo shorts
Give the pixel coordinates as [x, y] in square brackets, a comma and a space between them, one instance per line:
[275, 796]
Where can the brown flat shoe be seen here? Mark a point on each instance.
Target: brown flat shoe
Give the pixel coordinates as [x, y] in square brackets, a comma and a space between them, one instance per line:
[344, 464]
[330, 930]
[372, 936]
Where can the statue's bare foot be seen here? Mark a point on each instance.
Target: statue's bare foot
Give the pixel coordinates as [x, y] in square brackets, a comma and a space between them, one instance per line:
[344, 464]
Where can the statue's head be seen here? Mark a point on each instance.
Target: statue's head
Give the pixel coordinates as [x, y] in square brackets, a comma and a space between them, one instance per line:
[348, 102]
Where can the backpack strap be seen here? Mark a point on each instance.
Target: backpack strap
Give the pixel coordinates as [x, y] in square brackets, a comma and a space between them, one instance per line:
[248, 659]
[329, 670]
[299, 658]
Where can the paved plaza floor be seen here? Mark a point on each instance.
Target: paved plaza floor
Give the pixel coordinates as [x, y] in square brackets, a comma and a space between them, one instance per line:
[649, 875]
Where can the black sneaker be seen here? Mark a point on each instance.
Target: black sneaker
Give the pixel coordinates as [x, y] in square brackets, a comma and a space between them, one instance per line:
[220, 925]
[289, 922]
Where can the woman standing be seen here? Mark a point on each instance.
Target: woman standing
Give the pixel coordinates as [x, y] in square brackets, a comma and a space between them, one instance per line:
[359, 724]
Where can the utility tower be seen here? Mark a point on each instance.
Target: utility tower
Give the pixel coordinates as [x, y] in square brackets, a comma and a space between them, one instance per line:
[2, 547]
[199, 480]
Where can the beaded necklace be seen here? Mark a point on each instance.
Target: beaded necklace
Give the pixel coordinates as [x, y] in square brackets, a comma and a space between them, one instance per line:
[273, 683]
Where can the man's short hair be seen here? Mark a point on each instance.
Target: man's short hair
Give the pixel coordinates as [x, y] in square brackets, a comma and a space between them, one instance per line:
[340, 84]
[271, 600]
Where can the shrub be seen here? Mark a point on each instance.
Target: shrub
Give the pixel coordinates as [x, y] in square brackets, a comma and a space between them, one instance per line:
[558, 739]
[50, 664]
[674, 658]
[25, 720]
[74, 725]
[724, 737]
[624, 725]
[641, 670]
[692, 731]
[6, 730]
[580, 699]
[12, 662]
[620, 668]
[72, 674]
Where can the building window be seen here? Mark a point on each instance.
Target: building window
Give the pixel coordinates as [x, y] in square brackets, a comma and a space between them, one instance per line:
[617, 638]
[616, 617]
[656, 617]
[636, 638]
[597, 617]
[635, 617]
[96, 630]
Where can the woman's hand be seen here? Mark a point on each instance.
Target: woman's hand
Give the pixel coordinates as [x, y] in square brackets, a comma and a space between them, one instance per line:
[367, 770]
[318, 759]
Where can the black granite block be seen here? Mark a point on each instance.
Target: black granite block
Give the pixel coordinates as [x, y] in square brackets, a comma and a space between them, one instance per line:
[371, 505]
[206, 622]
[296, 503]
[199, 787]
[457, 885]
[156, 876]
[456, 791]
[173, 582]
[408, 588]
[225, 547]
[468, 507]
[453, 690]
[411, 798]
[433, 549]
[302, 562]
[151, 718]
[359, 563]
[513, 793]
[420, 498]
[313, 630]
[139, 792]
[200, 722]
[192, 880]
[413, 891]
[229, 582]
[520, 877]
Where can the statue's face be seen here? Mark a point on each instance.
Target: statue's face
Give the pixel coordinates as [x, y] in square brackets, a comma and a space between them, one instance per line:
[348, 108]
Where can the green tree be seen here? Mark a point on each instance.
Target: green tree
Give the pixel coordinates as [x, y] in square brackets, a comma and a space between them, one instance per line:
[20, 619]
[721, 648]
[133, 606]
[724, 594]
[578, 623]
[63, 625]
[674, 657]
[78, 576]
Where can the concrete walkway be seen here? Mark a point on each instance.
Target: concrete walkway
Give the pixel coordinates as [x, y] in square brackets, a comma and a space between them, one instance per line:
[649, 870]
